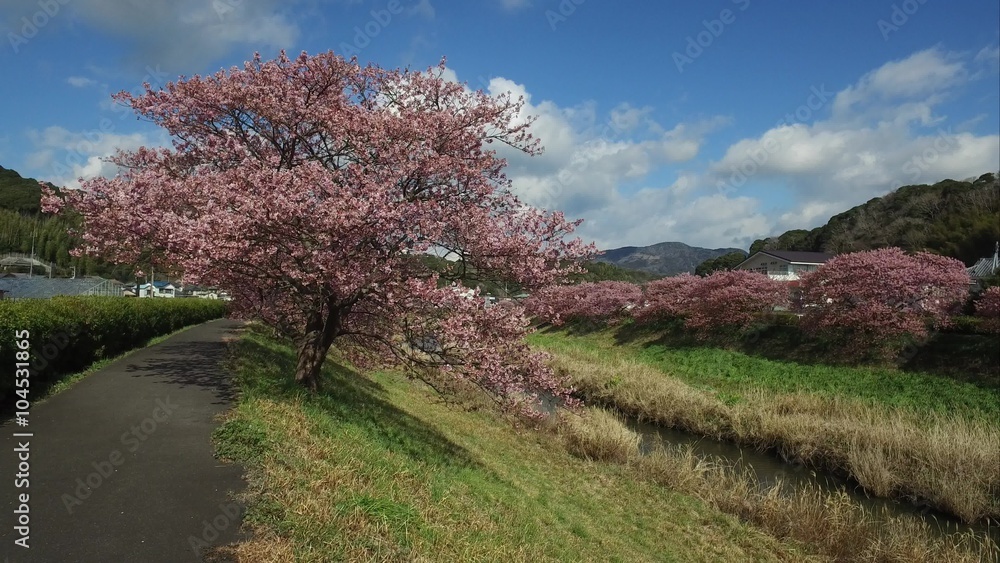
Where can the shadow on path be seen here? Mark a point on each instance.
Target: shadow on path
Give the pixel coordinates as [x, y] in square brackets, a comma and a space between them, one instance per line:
[122, 466]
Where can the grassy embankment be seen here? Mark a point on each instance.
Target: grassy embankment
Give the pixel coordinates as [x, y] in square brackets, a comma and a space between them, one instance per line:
[901, 434]
[376, 468]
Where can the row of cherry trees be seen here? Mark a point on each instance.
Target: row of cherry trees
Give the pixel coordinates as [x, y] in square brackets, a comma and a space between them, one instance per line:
[723, 299]
[874, 297]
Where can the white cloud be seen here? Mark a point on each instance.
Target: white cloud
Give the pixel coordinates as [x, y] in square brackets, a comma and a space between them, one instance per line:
[882, 132]
[923, 73]
[424, 9]
[587, 156]
[989, 55]
[63, 157]
[80, 81]
[514, 5]
[189, 33]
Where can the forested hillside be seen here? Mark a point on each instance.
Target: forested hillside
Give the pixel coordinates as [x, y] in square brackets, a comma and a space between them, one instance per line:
[21, 221]
[951, 218]
[17, 193]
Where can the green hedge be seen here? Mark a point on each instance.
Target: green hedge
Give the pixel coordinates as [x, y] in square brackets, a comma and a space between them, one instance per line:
[68, 334]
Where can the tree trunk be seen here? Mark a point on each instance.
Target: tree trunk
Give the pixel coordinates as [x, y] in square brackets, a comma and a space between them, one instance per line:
[312, 354]
[320, 332]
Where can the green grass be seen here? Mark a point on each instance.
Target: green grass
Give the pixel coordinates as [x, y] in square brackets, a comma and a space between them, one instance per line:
[375, 467]
[732, 373]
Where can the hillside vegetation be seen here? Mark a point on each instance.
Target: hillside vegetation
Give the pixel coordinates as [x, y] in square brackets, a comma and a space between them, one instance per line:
[953, 218]
[17, 193]
[21, 221]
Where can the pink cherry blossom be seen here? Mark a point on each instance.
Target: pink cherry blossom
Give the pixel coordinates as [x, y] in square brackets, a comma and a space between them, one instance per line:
[733, 299]
[606, 301]
[308, 187]
[879, 296]
[666, 298]
[988, 308]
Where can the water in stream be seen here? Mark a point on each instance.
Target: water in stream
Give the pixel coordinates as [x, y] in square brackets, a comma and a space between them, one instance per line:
[770, 469]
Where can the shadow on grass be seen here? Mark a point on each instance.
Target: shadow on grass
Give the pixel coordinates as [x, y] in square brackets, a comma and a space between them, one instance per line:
[574, 328]
[965, 358]
[969, 358]
[346, 398]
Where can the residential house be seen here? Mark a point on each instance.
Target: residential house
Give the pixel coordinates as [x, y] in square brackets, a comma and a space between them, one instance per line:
[157, 289]
[784, 265]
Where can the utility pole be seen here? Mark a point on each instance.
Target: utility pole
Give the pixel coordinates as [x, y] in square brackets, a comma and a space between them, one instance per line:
[31, 260]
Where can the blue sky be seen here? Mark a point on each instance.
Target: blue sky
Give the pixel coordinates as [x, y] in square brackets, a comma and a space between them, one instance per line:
[712, 123]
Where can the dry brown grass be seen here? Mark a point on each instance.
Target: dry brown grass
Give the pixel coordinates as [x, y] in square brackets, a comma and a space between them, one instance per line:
[829, 525]
[596, 434]
[950, 463]
[264, 547]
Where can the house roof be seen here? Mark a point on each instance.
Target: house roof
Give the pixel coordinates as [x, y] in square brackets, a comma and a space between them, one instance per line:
[798, 257]
[44, 288]
[791, 256]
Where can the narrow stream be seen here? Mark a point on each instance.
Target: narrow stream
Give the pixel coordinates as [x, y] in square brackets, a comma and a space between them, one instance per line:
[770, 469]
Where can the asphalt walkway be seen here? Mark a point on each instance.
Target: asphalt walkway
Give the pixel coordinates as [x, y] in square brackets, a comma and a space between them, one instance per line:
[120, 468]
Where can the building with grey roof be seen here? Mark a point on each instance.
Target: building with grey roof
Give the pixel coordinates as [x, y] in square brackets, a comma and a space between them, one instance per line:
[36, 287]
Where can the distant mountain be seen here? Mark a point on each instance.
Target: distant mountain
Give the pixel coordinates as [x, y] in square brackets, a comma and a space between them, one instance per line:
[951, 218]
[663, 259]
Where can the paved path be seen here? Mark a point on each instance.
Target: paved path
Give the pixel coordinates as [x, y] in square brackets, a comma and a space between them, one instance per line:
[122, 466]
